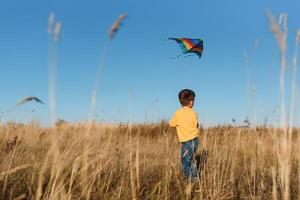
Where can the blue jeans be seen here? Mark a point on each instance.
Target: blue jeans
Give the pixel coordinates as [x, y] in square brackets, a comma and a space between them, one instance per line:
[187, 157]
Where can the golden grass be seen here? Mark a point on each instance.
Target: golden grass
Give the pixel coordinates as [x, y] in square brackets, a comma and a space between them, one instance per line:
[61, 163]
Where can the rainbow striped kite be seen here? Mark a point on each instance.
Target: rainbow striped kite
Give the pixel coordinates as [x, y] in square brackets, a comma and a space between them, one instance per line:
[189, 45]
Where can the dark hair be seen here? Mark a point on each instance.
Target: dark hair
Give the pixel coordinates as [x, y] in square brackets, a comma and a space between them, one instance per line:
[186, 96]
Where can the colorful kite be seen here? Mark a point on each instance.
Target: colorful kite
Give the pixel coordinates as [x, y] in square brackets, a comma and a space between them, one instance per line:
[189, 45]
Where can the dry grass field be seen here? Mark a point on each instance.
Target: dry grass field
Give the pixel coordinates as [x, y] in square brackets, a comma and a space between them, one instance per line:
[81, 161]
[141, 162]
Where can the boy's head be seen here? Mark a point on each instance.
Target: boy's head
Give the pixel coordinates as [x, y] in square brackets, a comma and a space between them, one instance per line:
[187, 97]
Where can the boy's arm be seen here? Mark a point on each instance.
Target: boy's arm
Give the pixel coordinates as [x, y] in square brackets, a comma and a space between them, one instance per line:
[173, 121]
[197, 120]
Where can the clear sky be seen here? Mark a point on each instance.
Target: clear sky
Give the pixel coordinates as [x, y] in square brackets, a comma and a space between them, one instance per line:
[139, 58]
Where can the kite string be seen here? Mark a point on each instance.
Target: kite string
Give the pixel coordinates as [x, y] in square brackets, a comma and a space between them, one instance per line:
[101, 65]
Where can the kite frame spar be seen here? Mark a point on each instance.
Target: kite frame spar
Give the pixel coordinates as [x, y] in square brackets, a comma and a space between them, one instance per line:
[189, 45]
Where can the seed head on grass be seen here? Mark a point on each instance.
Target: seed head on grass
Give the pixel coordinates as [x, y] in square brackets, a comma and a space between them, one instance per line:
[28, 99]
[116, 25]
[51, 22]
[57, 31]
[279, 29]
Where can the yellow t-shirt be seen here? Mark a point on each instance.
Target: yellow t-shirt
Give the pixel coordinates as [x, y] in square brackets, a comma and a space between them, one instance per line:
[185, 120]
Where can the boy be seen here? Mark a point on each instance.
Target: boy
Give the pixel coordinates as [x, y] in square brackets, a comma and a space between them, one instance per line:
[185, 120]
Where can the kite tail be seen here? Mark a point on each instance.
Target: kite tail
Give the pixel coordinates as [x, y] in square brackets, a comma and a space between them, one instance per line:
[181, 54]
[173, 58]
[100, 68]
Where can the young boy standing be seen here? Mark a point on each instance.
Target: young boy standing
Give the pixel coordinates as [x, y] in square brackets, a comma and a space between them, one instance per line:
[185, 120]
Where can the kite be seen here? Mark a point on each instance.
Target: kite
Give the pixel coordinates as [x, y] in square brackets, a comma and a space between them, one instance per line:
[27, 99]
[116, 25]
[189, 45]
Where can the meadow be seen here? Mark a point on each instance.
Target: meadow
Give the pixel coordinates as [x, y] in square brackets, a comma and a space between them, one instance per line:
[141, 161]
[94, 161]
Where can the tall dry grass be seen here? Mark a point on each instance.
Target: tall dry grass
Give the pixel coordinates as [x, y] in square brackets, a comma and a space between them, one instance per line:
[90, 161]
[284, 138]
[239, 163]
[54, 33]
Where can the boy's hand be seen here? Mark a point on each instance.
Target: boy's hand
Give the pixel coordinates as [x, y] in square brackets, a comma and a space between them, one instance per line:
[173, 122]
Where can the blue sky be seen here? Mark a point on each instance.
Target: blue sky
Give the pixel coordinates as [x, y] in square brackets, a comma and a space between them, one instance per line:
[139, 58]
